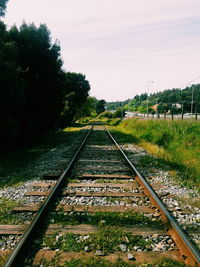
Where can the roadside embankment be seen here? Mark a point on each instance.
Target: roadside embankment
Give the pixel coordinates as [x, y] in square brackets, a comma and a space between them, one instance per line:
[175, 142]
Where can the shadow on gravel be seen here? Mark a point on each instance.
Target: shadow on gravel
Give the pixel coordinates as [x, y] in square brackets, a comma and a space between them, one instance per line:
[21, 165]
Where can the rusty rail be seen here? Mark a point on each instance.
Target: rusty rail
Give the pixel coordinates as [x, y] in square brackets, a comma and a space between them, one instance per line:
[17, 256]
[188, 252]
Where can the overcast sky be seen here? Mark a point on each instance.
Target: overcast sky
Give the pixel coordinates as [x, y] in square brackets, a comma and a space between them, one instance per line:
[120, 45]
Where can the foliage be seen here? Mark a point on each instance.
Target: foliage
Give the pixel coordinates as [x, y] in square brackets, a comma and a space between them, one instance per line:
[3, 7]
[96, 262]
[106, 239]
[111, 218]
[165, 101]
[75, 93]
[89, 107]
[6, 215]
[36, 95]
[41, 64]
[177, 142]
[100, 106]
[105, 114]
[119, 113]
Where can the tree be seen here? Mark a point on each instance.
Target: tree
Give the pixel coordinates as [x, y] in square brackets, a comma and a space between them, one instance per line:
[12, 86]
[41, 64]
[100, 106]
[119, 113]
[3, 4]
[75, 93]
[89, 107]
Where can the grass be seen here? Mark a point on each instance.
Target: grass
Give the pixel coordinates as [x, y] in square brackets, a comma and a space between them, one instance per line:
[106, 239]
[6, 215]
[3, 259]
[97, 262]
[176, 143]
[94, 262]
[112, 218]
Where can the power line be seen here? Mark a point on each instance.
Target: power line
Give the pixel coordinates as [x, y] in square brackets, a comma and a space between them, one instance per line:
[188, 83]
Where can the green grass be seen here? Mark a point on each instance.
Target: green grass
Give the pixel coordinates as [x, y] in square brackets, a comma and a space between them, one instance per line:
[99, 262]
[112, 218]
[176, 143]
[6, 215]
[3, 259]
[106, 239]
[94, 262]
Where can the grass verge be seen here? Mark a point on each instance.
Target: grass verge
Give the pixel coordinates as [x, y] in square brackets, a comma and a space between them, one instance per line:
[176, 143]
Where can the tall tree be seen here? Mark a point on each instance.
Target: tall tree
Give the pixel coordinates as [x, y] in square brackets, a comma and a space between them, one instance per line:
[41, 65]
[100, 106]
[75, 93]
[3, 7]
[12, 86]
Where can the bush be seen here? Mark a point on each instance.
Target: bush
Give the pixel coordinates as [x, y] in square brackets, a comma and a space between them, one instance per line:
[105, 114]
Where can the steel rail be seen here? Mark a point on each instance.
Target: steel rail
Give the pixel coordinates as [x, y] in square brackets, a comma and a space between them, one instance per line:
[18, 254]
[188, 252]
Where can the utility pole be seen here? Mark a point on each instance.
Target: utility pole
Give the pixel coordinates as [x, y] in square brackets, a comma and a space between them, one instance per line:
[121, 110]
[192, 101]
[182, 112]
[148, 85]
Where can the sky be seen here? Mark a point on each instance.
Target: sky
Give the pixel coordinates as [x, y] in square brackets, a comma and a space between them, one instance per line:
[121, 45]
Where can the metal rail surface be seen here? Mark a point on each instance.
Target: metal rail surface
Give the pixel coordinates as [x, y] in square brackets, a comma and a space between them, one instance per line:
[17, 256]
[188, 251]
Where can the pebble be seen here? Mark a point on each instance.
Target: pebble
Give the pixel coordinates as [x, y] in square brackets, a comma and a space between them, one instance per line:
[123, 247]
[131, 257]
[157, 176]
[101, 201]
[99, 253]
[86, 249]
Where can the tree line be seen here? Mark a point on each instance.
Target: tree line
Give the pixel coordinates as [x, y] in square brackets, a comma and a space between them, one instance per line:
[171, 100]
[36, 94]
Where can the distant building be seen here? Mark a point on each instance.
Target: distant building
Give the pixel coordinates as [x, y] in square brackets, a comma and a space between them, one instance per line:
[155, 107]
[177, 105]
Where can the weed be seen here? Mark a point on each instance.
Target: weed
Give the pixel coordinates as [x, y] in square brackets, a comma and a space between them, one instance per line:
[97, 262]
[53, 262]
[107, 239]
[6, 215]
[111, 218]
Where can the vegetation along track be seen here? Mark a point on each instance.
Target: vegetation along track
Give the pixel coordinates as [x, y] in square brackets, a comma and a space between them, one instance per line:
[100, 207]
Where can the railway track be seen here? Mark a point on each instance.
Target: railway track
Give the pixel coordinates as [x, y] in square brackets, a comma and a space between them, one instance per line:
[102, 207]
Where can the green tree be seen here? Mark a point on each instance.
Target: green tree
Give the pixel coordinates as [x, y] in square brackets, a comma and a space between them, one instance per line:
[119, 113]
[89, 107]
[41, 65]
[75, 93]
[3, 4]
[100, 106]
[12, 86]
